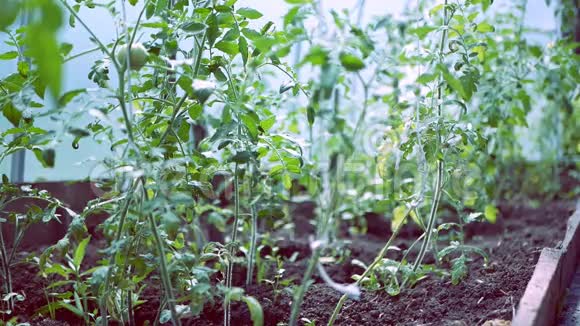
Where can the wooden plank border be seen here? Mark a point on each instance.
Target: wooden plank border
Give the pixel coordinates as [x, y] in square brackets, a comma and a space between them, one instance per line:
[552, 276]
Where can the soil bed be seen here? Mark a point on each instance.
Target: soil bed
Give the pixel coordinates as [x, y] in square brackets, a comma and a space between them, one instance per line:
[488, 293]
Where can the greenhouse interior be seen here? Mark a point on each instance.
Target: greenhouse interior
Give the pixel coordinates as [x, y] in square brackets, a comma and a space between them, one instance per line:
[290, 162]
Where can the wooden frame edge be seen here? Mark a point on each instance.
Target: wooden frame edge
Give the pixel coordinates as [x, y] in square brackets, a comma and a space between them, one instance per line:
[552, 276]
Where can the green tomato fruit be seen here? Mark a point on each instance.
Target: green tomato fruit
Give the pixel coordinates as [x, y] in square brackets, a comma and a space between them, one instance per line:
[138, 57]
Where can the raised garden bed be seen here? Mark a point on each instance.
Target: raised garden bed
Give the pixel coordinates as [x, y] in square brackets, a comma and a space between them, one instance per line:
[552, 280]
[490, 292]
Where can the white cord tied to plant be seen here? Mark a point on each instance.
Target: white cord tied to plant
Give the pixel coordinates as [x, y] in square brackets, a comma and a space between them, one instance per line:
[352, 291]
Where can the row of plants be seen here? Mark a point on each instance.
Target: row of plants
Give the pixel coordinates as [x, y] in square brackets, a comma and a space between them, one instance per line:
[208, 126]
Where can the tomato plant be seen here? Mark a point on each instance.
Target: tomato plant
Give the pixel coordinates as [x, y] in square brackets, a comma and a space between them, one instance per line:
[213, 135]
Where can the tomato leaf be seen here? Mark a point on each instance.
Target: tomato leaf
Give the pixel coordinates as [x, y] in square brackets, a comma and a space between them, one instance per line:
[10, 55]
[484, 28]
[230, 48]
[351, 62]
[193, 27]
[80, 251]
[243, 48]
[255, 310]
[69, 96]
[212, 29]
[249, 13]
[490, 213]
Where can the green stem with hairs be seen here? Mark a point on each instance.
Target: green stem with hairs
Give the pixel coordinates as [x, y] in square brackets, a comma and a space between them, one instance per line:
[162, 263]
[324, 221]
[6, 272]
[132, 40]
[123, 104]
[230, 266]
[94, 37]
[172, 120]
[421, 237]
[80, 54]
[164, 272]
[176, 111]
[432, 216]
[103, 299]
[440, 163]
[253, 236]
[253, 243]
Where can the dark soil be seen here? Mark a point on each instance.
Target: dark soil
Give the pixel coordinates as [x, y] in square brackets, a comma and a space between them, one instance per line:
[489, 292]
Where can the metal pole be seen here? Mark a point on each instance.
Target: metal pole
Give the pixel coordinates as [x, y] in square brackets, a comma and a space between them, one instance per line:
[18, 158]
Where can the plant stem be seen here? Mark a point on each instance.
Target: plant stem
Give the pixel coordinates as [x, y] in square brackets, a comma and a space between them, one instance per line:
[294, 80]
[253, 237]
[432, 216]
[440, 163]
[121, 98]
[253, 243]
[103, 300]
[363, 112]
[85, 303]
[127, 268]
[371, 267]
[166, 102]
[230, 266]
[6, 266]
[138, 22]
[164, 272]
[127, 70]
[327, 200]
[19, 236]
[94, 37]
[421, 237]
[301, 291]
[184, 97]
[72, 57]
[162, 263]
[172, 120]
[130, 315]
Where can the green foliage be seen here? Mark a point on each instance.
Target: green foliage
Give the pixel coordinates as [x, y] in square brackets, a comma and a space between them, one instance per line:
[9, 13]
[41, 41]
[21, 220]
[399, 117]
